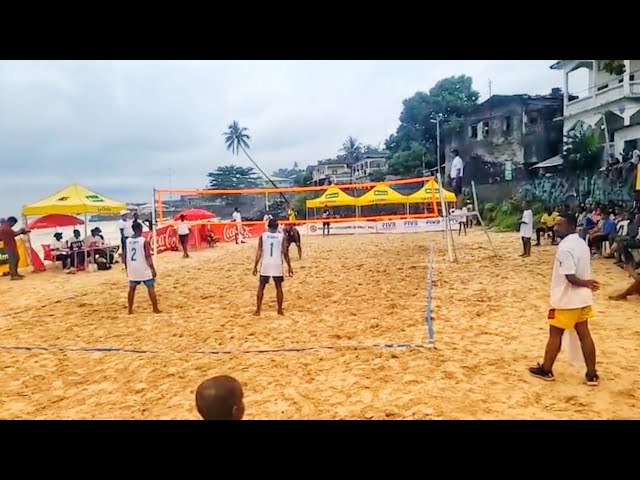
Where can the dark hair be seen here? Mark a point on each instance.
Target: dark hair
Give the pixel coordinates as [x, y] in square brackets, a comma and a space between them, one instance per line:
[455, 151]
[13, 220]
[137, 227]
[182, 217]
[273, 224]
[572, 220]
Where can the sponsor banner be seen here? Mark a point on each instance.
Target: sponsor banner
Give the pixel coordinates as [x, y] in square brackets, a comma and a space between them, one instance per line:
[167, 239]
[224, 232]
[342, 228]
[415, 225]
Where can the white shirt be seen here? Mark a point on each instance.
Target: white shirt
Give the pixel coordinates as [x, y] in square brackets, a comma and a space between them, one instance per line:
[272, 254]
[526, 228]
[572, 258]
[183, 229]
[237, 217]
[57, 245]
[456, 165]
[623, 228]
[138, 270]
[127, 226]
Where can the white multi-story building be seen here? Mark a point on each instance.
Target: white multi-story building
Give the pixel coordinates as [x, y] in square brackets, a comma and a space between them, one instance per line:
[610, 103]
[367, 165]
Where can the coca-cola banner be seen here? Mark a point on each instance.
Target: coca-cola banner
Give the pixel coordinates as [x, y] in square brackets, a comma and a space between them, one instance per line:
[224, 232]
[167, 239]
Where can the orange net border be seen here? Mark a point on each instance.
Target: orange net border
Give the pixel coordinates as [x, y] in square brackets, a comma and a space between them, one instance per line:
[360, 186]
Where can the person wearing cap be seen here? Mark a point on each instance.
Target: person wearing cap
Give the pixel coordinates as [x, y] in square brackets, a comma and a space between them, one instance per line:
[59, 251]
[125, 225]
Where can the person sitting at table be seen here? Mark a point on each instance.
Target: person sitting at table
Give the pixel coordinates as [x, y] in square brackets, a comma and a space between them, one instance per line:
[97, 240]
[59, 251]
[76, 245]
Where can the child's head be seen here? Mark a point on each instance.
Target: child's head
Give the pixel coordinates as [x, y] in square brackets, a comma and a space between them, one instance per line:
[137, 229]
[220, 398]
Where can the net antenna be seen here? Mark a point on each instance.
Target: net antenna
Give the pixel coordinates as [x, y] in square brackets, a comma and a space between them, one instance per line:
[236, 138]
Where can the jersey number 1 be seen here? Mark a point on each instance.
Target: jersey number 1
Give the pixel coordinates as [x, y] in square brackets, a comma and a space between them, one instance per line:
[271, 249]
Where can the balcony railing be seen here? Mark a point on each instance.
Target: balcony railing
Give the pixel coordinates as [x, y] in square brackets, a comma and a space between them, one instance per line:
[607, 95]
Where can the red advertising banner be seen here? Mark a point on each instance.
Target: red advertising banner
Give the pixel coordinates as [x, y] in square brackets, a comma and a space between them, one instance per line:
[224, 232]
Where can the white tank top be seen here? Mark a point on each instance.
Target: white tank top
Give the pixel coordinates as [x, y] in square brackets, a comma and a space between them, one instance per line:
[272, 255]
[137, 268]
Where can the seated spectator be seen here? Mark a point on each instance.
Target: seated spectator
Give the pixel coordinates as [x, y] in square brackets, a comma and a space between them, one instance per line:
[632, 243]
[220, 398]
[59, 251]
[590, 222]
[547, 221]
[605, 231]
[76, 247]
[96, 239]
[622, 229]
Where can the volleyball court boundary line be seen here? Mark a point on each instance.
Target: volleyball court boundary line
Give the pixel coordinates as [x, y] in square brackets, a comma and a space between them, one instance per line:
[212, 352]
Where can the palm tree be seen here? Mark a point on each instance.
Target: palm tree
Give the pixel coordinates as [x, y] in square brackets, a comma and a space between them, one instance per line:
[236, 138]
[352, 149]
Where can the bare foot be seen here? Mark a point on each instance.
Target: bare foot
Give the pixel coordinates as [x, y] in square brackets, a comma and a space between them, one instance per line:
[157, 310]
[522, 255]
[280, 312]
[256, 313]
[130, 312]
[17, 278]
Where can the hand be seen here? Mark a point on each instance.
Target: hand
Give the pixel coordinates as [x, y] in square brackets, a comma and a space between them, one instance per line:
[290, 272]
[593, 285]
[255, 271]
[153, 272]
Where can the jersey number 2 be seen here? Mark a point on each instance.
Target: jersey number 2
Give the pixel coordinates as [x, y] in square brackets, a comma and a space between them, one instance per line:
[133, 254]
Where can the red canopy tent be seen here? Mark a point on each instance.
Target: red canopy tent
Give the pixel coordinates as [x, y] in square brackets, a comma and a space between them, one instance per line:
[55, 220]
[195, 214]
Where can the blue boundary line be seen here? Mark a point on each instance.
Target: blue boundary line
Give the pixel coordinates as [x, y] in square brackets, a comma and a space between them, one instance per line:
[215, 352]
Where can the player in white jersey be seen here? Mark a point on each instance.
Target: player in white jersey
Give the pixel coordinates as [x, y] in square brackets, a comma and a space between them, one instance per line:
[140, 267]
[269, 257]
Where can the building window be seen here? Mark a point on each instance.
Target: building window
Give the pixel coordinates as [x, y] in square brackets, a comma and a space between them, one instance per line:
[473, 131]
[507, 125]
[485, 129]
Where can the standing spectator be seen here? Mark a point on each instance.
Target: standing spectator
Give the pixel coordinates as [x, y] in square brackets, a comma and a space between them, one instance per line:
[457, 172]
[526, 229]
[326, 225]
[125, 225]
[8, 238]
[237, 217]
[183, 234]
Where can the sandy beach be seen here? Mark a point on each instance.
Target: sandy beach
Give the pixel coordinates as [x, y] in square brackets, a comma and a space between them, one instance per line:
[348, 292]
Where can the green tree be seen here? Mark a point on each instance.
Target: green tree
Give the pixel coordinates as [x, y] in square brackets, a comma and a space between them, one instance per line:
[450, 99]
[614, 67]
[582, 151]
[377, 176]
[232, 177]
[410, 161]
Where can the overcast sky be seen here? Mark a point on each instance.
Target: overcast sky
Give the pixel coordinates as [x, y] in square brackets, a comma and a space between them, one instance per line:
[123, 127]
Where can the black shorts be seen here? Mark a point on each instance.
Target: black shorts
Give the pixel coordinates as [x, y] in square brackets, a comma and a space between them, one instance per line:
[184, 239]
[277, 280]
[457, 186]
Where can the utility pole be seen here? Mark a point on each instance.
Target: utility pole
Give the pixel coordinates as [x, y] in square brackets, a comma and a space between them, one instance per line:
[489, 88]
[438, 140]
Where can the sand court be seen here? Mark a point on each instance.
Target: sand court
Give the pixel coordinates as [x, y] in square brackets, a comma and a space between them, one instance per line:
[348, 291]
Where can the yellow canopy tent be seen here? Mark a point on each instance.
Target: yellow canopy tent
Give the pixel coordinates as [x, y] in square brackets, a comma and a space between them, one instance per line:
[74, 199]
[332, 197]
[381, 194]
[429, 193]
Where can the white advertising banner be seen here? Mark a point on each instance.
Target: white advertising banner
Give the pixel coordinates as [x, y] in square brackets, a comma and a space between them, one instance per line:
[390, 226]
[342, 228]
